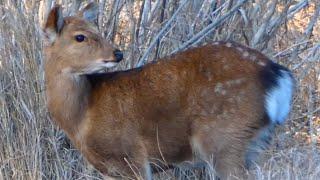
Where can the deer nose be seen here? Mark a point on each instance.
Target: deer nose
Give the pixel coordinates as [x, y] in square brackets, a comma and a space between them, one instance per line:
[118, 54]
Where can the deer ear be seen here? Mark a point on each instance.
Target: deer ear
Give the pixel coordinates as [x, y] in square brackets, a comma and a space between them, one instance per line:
[54, 24]
[90, 12]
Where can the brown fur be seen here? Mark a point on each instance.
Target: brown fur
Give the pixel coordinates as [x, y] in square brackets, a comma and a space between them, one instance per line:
[206, 101]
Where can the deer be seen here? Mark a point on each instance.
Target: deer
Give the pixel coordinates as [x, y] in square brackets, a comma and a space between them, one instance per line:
[218, 103]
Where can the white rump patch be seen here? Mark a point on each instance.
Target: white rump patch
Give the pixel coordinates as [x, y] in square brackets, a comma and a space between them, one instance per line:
[278, 99]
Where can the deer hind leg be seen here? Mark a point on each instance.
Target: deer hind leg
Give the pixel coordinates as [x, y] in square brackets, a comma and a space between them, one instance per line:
[229, 164]
[219, 163]
[224, 149]
[242, 154]
[257, 145]
[226, 162]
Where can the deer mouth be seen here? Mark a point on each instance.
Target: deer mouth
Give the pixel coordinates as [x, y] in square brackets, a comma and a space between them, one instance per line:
[109, 64]
[97, 67]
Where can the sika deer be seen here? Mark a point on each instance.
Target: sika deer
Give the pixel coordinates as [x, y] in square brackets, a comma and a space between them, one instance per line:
[219, 102]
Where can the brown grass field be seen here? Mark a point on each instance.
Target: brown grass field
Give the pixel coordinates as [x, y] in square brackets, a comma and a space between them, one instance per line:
[288, 31]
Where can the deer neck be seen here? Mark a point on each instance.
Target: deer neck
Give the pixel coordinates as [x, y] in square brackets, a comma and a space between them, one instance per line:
[67, 98]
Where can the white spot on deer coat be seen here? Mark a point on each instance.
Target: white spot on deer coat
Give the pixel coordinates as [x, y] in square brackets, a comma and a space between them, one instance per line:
[218, 88]
[228, 44]
[245, 54]
[261, 63]
[239, 49]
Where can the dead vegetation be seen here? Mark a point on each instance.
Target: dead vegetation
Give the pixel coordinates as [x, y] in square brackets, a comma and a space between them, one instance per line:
[31, 147]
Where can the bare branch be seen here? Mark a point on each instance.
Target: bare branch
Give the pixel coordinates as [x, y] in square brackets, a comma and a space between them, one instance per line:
[142, 61]
[199, 36]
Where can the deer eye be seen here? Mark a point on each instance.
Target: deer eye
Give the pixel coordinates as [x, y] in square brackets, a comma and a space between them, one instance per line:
[80, 38]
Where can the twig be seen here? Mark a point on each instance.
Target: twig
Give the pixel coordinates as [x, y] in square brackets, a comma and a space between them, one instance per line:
[244, 16]
[297, 8]
[142, 61]
[75, 7]
[143, 21]
[199, 36]
[140, 19]
[131, 167]
[290, 48]
[161, 21]
[263, 28]
[158, 143]
[314, 19]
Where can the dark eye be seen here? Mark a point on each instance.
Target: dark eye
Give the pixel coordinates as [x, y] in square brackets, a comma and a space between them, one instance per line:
[80, 38]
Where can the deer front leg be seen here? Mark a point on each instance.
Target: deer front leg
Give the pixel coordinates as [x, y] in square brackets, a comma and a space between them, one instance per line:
[128, 168]
[132, 164]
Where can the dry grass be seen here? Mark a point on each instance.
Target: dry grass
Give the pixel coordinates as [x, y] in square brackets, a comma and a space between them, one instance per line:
[31, 147]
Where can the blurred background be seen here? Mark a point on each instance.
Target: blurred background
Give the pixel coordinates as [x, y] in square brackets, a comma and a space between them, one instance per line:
[287, 31]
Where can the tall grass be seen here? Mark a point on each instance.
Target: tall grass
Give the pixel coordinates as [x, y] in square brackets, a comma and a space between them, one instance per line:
[31, 147]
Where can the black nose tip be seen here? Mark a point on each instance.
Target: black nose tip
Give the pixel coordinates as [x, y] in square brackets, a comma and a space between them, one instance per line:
[118, 54]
